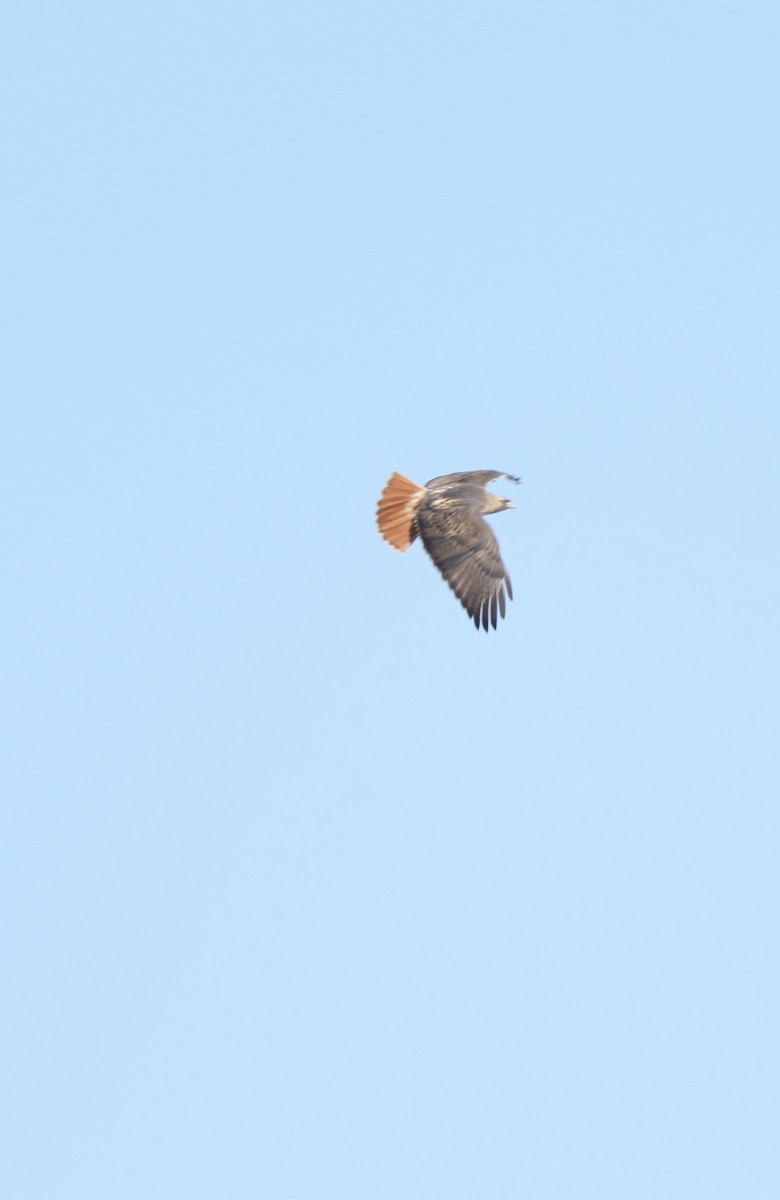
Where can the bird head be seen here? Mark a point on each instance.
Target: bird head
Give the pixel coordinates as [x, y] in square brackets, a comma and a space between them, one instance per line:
[493, 503]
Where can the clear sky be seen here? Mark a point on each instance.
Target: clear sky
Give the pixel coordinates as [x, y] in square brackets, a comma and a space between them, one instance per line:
[308, 888]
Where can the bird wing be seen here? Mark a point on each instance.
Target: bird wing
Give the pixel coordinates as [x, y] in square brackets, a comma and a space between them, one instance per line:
[476, 478]
[465, 549]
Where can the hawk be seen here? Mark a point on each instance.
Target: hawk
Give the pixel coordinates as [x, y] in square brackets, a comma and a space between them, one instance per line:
[447, 516]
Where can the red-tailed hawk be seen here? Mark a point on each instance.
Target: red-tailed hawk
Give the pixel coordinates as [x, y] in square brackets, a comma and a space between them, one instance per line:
[447, 514]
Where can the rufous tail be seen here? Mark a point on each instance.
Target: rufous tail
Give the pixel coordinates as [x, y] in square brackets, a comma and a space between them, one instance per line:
[396, 509]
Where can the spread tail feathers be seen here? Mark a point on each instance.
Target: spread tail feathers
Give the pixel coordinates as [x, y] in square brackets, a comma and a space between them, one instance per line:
[396, 509]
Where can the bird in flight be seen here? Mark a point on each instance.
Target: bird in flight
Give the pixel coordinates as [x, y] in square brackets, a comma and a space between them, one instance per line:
[447, 515]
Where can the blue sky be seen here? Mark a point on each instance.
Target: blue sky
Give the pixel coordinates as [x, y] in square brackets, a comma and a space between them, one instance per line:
[308, 888]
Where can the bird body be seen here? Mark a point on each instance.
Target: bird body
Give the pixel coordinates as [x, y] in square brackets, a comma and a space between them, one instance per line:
[447, 515]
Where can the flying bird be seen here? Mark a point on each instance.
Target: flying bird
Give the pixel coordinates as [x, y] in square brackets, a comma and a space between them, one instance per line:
[447, 515]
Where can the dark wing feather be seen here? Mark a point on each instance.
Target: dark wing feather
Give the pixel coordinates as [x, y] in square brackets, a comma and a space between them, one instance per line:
[479, 479]
[465, 550]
